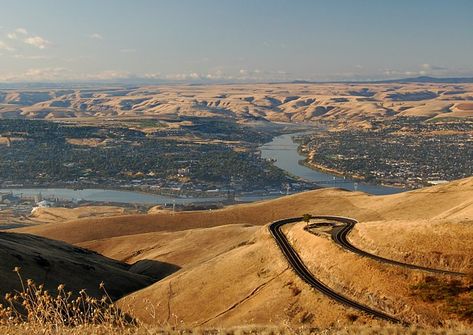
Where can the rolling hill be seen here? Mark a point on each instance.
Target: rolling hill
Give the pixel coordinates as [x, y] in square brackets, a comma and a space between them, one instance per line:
[283, 102]
[53, 263]
[231, 271]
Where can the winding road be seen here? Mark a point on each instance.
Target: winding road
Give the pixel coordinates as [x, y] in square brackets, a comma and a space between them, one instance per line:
[340, 234]
[304, 273]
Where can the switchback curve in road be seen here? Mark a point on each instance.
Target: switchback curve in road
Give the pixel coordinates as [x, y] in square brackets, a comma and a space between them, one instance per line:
[304, 273]
[340, 237]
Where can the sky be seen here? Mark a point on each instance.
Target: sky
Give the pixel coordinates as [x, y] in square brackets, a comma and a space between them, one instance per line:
[234, 40]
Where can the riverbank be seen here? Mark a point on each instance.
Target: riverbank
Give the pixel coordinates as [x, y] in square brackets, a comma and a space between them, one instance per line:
[285, 153]
[309, 162]
[318, 167]
[142, 189]
[321, 168]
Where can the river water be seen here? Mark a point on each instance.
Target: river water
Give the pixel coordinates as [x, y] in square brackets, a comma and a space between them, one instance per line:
[125, 197]
[283, 150]
[101, 195]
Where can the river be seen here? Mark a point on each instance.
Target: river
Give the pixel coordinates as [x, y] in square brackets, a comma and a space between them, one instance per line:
[124, 197]
[283, 150]
[101, 195]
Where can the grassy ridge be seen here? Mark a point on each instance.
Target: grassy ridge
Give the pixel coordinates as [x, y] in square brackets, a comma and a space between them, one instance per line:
[33, 310]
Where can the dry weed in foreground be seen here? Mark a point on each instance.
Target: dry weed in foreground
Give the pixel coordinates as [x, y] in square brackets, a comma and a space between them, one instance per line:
[35, 307]
[26, 329]
[33, 310]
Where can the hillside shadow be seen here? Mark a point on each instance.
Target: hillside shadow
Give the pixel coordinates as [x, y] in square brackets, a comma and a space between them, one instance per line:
[154, 269]
[53, 263]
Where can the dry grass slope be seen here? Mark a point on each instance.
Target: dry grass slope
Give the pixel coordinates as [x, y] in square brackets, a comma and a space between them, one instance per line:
[351, 104]
[53, 263]
[234, 274]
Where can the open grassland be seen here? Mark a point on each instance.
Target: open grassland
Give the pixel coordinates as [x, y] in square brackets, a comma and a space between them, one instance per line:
[33, 309]
[59, 214]
[443, 243]
[285, 102]
[387, 287]
[221, 268]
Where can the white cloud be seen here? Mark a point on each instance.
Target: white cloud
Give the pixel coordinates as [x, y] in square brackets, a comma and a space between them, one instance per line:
[61, 74]
[37, 41]
[424, 69]
[6, 47]
[107, 75]
[49, 74]
[391, 73]
[152, 75]
[96, 36]
[221, 75]
[430, 67]
[15, 34]
[30, 57]
[21, 31]
[177, 76]
[261, 75]
[21, 34]
[38, 74]
[194, 76]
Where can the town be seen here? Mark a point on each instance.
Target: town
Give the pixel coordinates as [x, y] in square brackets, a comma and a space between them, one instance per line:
[405, 152]
[42, 154]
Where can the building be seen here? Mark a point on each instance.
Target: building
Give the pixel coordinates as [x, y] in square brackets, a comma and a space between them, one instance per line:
[9, 199]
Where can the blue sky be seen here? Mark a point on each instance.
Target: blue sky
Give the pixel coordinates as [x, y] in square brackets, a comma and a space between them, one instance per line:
[234, 40]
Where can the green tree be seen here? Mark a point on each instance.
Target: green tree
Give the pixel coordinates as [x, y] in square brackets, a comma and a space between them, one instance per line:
[306, 218]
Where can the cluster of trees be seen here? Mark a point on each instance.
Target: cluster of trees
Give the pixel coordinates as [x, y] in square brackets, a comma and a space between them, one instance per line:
[245, 169]
[48, 131]
[229, 130]
[45, 155]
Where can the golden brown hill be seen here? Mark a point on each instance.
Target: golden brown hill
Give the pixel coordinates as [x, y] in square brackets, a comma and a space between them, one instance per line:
[283, 102]
[52, 263]
[249, 284]
[413, 219]
[59, 214]
[183, 248]
[233, 273]
[443, 200]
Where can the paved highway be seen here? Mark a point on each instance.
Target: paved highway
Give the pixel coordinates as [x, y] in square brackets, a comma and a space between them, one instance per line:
[303, 272]
[340, 234]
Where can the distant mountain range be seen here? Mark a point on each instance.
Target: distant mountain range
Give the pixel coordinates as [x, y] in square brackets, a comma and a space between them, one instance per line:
[421, 79]
[136, 82]
[427, 79]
